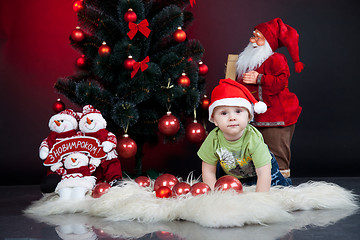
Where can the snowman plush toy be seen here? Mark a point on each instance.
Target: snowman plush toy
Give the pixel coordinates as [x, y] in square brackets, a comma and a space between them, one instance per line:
[76, 169]
[62, 125]
[93, 124]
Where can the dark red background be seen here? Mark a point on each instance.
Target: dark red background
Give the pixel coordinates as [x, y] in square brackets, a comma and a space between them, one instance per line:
[35, 51]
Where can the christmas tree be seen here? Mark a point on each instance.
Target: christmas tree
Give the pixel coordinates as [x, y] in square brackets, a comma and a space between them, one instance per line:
[136, 65]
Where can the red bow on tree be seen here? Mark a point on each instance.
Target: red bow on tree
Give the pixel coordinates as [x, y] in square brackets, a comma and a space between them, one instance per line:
[142, 65]
[142, 27]
[192, 3]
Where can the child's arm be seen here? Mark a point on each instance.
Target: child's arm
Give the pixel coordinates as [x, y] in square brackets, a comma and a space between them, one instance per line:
[209, 174]
[263, 178]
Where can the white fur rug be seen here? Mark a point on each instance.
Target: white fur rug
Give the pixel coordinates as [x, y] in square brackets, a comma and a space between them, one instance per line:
[217, 209]
[80, 226]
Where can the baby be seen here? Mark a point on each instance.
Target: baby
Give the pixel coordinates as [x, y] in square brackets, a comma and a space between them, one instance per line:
[234, 143]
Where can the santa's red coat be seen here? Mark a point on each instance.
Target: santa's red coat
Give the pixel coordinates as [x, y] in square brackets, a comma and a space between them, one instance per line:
[272, 88]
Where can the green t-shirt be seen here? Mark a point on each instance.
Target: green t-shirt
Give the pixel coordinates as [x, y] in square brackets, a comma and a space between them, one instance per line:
[238, 158]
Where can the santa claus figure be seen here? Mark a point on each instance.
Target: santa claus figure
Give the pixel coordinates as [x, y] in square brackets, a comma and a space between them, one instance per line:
[265, 73]
[62, 125]
[93, 124]
[76, 180]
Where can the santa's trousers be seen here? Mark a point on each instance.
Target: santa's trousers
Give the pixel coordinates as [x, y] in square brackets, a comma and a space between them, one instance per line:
[278, 140]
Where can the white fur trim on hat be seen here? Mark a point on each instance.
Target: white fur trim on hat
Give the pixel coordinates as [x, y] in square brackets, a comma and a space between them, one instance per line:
[232, 102]
[260, 107]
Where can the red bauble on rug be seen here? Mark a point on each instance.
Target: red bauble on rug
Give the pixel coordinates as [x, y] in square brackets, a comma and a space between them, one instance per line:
[199, 188]
[143, 181]
[163, 192]
[229, 182]
[100, 189]
[181, 188]
[165, 179]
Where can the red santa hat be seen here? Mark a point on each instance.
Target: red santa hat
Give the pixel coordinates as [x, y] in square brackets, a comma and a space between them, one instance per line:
[279, 34]
[232, 93]
[67, 114]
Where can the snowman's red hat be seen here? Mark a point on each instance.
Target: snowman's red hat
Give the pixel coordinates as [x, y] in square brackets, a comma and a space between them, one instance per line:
[232, 93]
[67, 114]
[91, 112]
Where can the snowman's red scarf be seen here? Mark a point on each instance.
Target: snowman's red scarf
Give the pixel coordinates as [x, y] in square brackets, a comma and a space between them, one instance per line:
[102, 135]
[54, 136]
[84, 170]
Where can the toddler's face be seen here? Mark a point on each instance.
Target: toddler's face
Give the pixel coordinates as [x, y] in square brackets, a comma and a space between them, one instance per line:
[231, 120]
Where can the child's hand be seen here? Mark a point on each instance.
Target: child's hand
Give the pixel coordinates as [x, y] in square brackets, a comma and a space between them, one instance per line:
[250, 77]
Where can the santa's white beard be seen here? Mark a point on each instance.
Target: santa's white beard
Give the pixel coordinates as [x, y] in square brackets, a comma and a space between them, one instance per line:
[252, 57]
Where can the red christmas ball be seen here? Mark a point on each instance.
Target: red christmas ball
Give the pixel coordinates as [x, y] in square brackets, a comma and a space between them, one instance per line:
[81, 62]
[199, 188]
[126, 147]
[143, 181]
[179, 35]
[129, 63]
[168, 124]
[163, 192]
[100, 233]
[104, 50]
[77, 35]
[130, 16]
[78, 6]
[229, 182]
[58, 106]
[205, 102]
[203, 69]
[100, 189]
[167, 180]
[195, 132]
[184, 80]
[163, 235]
[181, 188]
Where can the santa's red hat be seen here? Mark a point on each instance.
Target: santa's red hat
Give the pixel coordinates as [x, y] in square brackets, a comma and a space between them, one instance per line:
[232, 93]
[279, 34]
[67, 114]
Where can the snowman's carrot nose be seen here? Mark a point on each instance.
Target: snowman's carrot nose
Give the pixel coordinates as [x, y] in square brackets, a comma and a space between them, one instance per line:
[73, 160]
[88, 121]
[57, 123]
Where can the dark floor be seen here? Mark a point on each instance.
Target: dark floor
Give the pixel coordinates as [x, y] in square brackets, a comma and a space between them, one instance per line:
[320, 224]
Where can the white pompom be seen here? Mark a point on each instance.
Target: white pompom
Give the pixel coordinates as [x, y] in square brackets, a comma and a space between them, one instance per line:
[260, 107]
